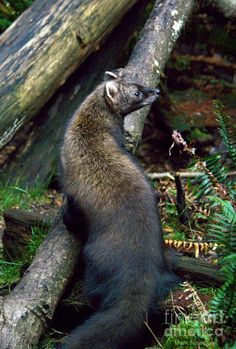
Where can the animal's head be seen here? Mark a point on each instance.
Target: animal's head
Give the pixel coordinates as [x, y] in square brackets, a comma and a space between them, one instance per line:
[124, 96]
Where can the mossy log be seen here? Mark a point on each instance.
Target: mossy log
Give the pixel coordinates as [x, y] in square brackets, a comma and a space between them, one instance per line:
[36, 154]
[43, 47]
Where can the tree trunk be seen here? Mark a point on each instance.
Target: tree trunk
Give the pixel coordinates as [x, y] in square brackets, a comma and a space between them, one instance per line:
[38, 155]
[43, 47]
[151, 53]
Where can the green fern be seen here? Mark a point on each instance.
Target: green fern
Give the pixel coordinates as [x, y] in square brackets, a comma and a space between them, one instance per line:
[219, 190]
[213, 181]
[227, 130]
[222, 225]
[224, 302]
[214, 174]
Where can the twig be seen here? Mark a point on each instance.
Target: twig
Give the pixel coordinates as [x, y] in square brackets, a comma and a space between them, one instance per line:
[215, 60]
[153, 334]
[159, 175]
[180, 142]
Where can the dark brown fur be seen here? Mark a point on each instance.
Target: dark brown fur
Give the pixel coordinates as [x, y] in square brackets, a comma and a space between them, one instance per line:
[126, 272]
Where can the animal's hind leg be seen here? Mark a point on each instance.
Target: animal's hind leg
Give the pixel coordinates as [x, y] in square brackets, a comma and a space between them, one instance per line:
[74, 218]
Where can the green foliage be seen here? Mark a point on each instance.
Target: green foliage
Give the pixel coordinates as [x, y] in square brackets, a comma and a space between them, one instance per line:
[223, 304]
[200, 134]
[50, 340]
[220, 190]
[180, 63]
[213, 174]
[220, 193]
[179, 123]
[215, 193]
[227, 130]
[191, 334]
[35, 240]
[222, 225]
[15, 196]
[11, 271]
[10, 10]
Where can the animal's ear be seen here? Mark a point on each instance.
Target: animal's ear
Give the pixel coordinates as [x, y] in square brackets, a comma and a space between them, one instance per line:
[111, 75]
[111, 89]
[114, 74]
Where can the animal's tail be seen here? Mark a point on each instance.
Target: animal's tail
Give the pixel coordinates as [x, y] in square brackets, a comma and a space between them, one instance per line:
[114, 327]
[109, 329]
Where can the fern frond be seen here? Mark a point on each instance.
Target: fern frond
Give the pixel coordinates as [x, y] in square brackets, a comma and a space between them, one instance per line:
[211, 181]
[192, 247]
[224, 302]
[222, 229]
[227, 208]
[231, 186]
[227, 130]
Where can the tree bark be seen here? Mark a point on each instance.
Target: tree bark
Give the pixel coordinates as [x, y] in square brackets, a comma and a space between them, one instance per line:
[37, 156]
[151, 53]
[43, 47]
[201, 273]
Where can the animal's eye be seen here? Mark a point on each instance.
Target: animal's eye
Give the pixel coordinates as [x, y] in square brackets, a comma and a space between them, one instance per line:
[137, 94]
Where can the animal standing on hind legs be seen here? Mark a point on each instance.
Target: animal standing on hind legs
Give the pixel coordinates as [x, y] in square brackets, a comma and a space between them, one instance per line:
[126, 271]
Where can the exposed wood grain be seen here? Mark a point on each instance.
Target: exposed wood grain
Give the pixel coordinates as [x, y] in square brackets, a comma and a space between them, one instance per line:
[43, 47]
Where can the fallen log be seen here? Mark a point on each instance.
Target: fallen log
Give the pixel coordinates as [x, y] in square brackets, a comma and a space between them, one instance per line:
[201, 273]
[26, 311]
[38, 154]
[43, 47]
[19, 223]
